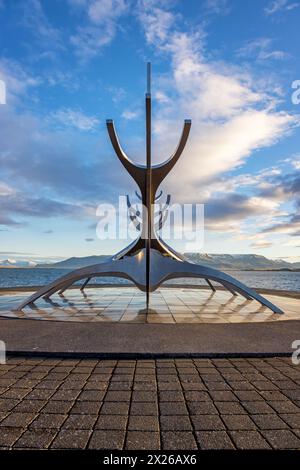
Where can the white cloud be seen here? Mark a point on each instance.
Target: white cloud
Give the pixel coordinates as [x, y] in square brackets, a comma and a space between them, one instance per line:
[127, 114]
[262, 49]
[231, 116]
[280, 5]
[74, 118]
[100, 27]
[17, 80]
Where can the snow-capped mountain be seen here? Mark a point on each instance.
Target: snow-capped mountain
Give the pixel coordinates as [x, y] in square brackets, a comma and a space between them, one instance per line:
[12, 263]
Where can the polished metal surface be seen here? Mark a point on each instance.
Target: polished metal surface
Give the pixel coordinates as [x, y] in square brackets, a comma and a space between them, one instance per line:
[148, 261]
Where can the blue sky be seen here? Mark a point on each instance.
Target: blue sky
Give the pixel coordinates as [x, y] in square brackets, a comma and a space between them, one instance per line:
[228, 65]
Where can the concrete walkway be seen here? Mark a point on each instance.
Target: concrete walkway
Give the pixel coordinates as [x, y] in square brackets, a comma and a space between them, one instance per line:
[142, 340]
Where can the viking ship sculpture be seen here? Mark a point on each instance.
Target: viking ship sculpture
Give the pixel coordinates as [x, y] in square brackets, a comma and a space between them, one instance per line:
[148, 261]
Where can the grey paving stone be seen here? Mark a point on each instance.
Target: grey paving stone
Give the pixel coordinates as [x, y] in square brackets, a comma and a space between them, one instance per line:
[144, 409]
[91, 395]
[223, 395]
[114, 422]
[15, 419]
[293, 420]
[115, 408]
[282, 439]
[178, 440]
[71, 439]
[214, 440]
[65, 395]
[236, 422]
[195, 395]
[171, 395]
[143, 423]
[7, 404]
[144, 395]
[117, 396]
[201, 408]
[249, 440]
[142, 440]
[107, 440]
[284, 406]
[80, 421]
[229, 408]
[273, 395]
[8, 436]
[57, 406]
[30, 406]
[270, 421]
[257, 407]
[166, 408]
[248, 395]
[207, 423]
[36, 439]
[175, 423]
[169, 386]
[48, 421]
[84, 407]
[15, 393]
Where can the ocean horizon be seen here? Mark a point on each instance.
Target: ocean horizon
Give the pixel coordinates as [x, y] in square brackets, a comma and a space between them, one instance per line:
[27, 277]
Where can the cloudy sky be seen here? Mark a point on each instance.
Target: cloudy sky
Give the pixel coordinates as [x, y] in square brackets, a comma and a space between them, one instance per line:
[229, 65]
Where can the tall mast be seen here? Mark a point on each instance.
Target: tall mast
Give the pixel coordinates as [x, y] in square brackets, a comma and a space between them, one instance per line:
[148, 180]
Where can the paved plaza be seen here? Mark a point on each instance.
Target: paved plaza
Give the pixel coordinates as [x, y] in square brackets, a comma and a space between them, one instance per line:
[167, 305]
[149, 404]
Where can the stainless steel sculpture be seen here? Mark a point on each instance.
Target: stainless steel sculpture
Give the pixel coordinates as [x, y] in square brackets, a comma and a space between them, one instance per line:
[148, 261]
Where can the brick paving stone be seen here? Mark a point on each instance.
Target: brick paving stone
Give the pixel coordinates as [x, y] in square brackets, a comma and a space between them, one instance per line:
[171, 395]
[282, 439]
[194, 395]
[91, 395]
[82, 407]
[48, 421]
[144, 409]
[178, 440]
[214, 440]
[57, 406]
[144, 395]
[38, 394]
[17, 420]
[65, 395]
[143, 423]
[114, 386]
[207, 423]
[30, 406]
[223, 395]
[229, 408]
[79, 421]
[293, 420]
[15, 393]
[242, 386]
[248, 395]
[113, 422]
[115, 408]
[175, 423]
[249, 440]
[71, 439]
[273, 395]
[107, 440]
[48, 384]
[292, 394]
[257, 407]
[217, 386]
[168, 386]
[7, 404]
[169, 408]
[264, 385]
[236, 422]
[284, 406]
[142, 440]
[202, 407]
[8, 436]
[270, 421]
[117, 396]
[36, 439]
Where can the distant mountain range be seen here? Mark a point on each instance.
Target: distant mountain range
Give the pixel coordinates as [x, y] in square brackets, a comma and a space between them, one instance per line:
[218, 261]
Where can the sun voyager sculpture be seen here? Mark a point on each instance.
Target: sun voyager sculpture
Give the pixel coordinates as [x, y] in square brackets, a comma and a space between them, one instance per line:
[148, 261]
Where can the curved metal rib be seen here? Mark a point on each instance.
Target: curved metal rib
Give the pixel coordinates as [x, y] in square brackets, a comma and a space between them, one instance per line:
[159, 172]
[135, 170]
